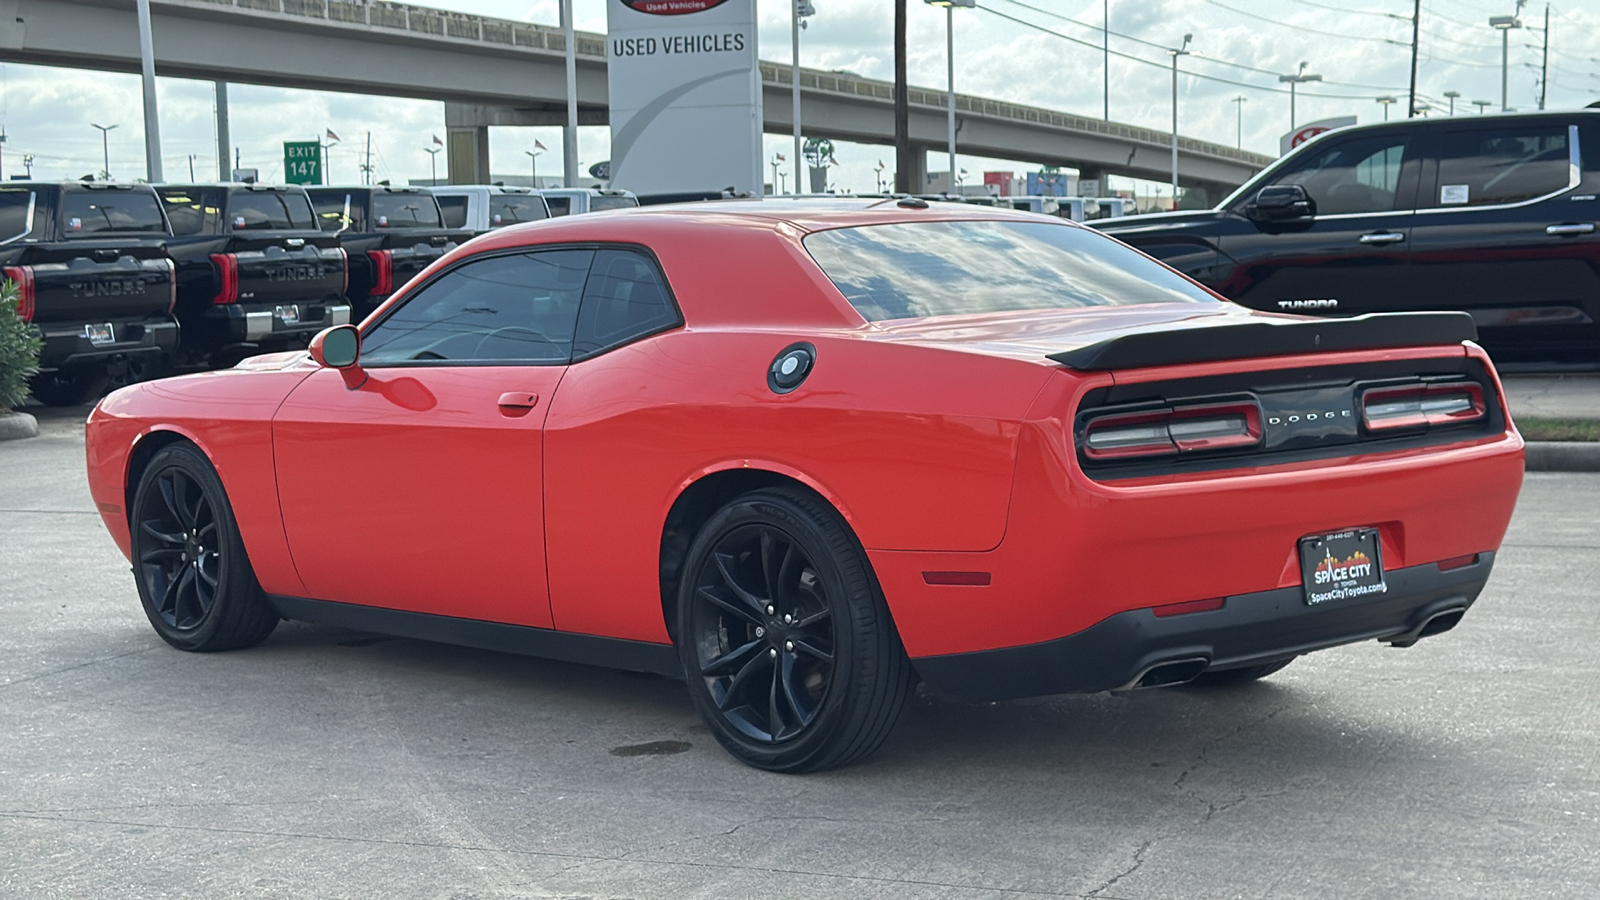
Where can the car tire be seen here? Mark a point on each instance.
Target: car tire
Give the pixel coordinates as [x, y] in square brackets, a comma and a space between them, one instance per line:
[194, 578]
[786, 642]
[1232, 677]
[68, 387]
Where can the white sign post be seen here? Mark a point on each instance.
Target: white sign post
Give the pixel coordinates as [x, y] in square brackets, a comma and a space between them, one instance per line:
[685, 90]
[1310, 130]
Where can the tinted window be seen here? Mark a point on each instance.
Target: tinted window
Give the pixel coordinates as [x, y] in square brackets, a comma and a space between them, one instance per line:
[1504, 166]
[14, 213]
[625, 298]
[187, 209]
[509, 209]
[955, 268]
[333, 210]
[454, 211]
[405, 210]
[516, 309]
[268, 210]
[110, 211]
[1353, 176]
[604, 202]
[559, 206]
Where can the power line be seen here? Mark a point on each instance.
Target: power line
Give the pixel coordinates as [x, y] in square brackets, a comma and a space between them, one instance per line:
[1345, 37]
[1354, 12]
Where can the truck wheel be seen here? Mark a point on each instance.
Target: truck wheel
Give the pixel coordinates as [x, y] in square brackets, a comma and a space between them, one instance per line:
[68, 387]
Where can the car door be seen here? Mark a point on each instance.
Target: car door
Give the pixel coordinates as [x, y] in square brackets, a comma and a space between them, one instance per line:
[422, 489]
[1350, 256]
[1503, 233]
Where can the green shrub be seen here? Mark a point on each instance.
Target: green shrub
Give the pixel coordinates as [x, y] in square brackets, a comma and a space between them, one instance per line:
[19, 350]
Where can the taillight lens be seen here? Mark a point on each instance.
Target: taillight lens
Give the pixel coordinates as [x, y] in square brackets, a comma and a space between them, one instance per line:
[23, 277]
[228, 283]
[383, 268]
[1164, 432]
[1421, 405]
[344, 265]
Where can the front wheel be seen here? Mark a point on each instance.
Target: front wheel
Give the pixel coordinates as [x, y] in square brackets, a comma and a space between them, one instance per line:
[194, 579]
[786, 642]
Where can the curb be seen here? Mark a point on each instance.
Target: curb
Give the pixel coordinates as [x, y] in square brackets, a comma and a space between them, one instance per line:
[1562, 456]
[18, 425]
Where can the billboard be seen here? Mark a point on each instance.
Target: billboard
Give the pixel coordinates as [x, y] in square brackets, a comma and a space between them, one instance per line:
[1310, 130]
[685, 91]
[1049, 184]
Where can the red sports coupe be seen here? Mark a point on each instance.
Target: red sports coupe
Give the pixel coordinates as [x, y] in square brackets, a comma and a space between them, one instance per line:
[804, 455]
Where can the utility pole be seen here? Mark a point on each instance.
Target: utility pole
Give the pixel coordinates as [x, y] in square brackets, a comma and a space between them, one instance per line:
[223, 140]
[1544, 67]
[569, 134]
[152, 121]
[902, 109]
[191, 167]
[366, 167]
[1416, 26]
[1180, 51]
[1105, 38]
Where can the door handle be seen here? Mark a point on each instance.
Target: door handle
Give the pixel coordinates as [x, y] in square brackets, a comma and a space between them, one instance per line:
[1383, 237]
[518, 400]
[1571, 228]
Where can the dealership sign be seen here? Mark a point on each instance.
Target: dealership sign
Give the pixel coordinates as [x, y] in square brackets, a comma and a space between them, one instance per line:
[1310, 130]
[685, 91]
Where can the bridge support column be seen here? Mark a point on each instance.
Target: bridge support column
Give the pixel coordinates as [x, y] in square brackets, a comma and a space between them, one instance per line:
[467, 154]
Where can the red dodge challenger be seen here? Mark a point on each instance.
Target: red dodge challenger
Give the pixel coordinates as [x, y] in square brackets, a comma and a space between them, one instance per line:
[804, 455]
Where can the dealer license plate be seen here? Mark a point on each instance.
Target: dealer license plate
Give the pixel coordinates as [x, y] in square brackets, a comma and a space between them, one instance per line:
[288, 315]
[100, 334]
[1341, 566]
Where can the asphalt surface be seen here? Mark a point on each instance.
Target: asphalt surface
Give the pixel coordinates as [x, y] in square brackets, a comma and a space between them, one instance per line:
[328, 763]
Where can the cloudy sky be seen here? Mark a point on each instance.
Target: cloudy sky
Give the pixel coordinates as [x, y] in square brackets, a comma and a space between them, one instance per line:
[1039, 52]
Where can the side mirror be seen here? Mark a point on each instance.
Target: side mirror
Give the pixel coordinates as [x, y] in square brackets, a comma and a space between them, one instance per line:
[1281, 203]
[339, 348]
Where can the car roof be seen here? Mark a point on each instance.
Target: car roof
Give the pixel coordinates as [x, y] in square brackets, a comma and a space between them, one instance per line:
[820, 214]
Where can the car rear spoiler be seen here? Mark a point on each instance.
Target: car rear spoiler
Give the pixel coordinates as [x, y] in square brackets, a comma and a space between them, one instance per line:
[1194, 342]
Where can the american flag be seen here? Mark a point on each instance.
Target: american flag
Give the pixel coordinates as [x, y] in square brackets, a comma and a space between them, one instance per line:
[332, 136]
[539, 146]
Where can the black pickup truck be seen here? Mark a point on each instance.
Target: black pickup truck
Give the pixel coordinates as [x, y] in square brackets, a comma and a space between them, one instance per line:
[255, 274]
[90, 263]
[390, 233]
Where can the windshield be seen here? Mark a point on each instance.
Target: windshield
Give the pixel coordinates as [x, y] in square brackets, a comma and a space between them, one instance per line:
[919, 269]
[405, 210]
[89, 212]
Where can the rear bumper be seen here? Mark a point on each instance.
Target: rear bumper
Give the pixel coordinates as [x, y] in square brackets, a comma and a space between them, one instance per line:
[68, 345]
[1249, 629]
[251, 324]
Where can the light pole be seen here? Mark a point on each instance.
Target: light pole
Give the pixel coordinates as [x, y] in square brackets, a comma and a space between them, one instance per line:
[776, 158]
[1293, 79]
[800, 9]
[27, 163]
[105, 148]
[1480, 104]
[1180, 51]
[1387, 102]
[1504, 24]
[533, 167]
[878, 171]
[950, 66]
[1105, 50]
[1451, 96]
[1239, 103]
[433, 162]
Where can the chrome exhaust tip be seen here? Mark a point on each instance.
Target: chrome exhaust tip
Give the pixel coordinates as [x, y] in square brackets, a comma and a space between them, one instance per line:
[1166, 673]
[1438, 623]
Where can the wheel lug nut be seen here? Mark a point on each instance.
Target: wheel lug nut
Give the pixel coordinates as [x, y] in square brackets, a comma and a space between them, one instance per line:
[788, 619]
[789, 646]
[771, 610]
[773, 653]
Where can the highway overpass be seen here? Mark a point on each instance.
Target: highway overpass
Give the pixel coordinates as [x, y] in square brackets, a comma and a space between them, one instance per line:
[499, 72]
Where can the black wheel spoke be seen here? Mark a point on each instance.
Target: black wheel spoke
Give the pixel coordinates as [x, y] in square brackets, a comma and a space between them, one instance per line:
[800, 717]
[738, 609]
[161, 556]
[185, 587]
[806, 647]
[208, 577]
[754, 602]
[808, 621]
[774, 717]
[745, 677]
[731, 661]
[166, 537]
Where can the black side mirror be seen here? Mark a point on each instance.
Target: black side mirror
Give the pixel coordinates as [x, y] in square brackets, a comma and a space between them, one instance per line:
[1281, 203]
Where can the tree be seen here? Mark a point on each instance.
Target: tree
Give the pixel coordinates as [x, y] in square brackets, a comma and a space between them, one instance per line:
[19, 350]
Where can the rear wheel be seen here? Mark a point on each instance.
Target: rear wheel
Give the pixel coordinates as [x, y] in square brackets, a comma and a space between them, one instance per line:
[68, 387]
[194, 579]
[786, 642]
[1244, 675]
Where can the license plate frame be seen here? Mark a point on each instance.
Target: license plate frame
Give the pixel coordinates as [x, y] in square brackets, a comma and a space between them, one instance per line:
[1341, 566]
[100, 333]
[288, 314]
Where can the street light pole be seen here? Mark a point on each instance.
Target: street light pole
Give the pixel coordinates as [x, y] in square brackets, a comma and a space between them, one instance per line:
[1239, 103]
[1292, 80]
[1180, 51]
[1451, 96]
[798, 9]
[533, 167]
[105, 148]
[152, 121]
[1504, 24]
[1105, 49]
[433, 163]
[950, 70]
[1387, 102]
[1480, 104]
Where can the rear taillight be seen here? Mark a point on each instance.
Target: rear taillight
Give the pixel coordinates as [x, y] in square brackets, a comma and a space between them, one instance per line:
[344, 266]
[1164, 432]
[23, 277]
[228, 284]
[172, 285]
[1421, 405]
[383, 272]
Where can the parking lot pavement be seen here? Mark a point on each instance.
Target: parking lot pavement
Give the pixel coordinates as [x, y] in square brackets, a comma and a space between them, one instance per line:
[1553, 396]
[328, 763]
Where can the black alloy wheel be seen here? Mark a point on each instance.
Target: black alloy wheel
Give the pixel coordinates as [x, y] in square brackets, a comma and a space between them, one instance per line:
[786, 641]
[194, 579]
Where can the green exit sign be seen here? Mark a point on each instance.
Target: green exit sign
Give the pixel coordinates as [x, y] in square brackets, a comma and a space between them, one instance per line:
[302, 162]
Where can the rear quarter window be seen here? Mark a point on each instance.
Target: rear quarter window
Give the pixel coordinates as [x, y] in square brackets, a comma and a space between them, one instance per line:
[1507, 165]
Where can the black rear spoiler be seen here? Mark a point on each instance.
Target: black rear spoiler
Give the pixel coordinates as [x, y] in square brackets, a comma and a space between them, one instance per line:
[1208, 342]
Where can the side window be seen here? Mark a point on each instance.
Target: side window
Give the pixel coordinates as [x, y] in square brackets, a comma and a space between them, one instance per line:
[1352, 176]
[515, 309]
[14, 214]
[559, 206]
[1508, 165]
[625, 299]
[333, 211]
[454, 210]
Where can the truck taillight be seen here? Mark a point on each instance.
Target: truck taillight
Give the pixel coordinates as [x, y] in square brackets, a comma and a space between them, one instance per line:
[228, 286]
[1165, 432]
[383, 272]
[22, 276]
[344, 266]
[1421, 405]
[172, 285]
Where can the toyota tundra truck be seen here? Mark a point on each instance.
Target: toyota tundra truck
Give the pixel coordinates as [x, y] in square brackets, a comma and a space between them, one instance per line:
[390, 234]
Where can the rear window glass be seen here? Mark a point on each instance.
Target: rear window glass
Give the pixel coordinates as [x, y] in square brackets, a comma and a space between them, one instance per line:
[509, 209]
[919, 269]
[187, 209]
[14, 213]
[596, 204]
[454, 210]
[111, 211]
[559, 206]
[332, 209]
[269, 211]
[405, 210]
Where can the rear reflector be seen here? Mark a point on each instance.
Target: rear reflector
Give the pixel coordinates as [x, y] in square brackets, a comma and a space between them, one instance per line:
[1189, 606]
[1421, 405]
[975, 579]
[1184, 429]
[22, 276]
[228, 279]
[1457, 562]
